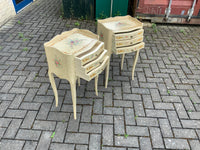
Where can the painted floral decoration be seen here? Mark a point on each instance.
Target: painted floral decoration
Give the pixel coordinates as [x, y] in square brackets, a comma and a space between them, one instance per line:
[57, 62]
[74, 42]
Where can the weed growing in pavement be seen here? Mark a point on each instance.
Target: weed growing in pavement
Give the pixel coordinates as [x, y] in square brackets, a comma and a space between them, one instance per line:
[125, 135]
[77, 23]
[52, 134]
[183, 31]
[19, 22]
[25, 49]
[21, 35]
[154, 27]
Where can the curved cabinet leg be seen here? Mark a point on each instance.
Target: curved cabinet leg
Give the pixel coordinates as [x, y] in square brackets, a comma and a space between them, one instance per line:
[122, 62]
[79, 81]
[96, 84]
[107, 74]
[73, 91]
[134, 63]
[52, 81]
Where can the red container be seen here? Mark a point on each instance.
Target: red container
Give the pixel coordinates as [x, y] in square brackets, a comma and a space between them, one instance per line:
[156, 8]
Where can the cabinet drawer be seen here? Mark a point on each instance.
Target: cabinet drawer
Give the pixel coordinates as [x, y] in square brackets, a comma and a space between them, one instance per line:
[89, 55]
[81, 72]
[99, 69]
[128, 35]
[129, 42]
[97, 62]
[129, 49]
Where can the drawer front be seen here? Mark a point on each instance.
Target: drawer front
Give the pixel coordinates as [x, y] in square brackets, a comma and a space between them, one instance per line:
[97, 62]
[99, 69]
[129, 35]
[129, 42]
[129, 49]
[92, 55]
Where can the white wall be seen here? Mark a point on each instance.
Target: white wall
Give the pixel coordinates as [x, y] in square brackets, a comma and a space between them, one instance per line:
[7, 10]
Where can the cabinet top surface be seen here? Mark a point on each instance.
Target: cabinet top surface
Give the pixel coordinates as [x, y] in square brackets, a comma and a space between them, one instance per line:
[72, 42]
[121, 23]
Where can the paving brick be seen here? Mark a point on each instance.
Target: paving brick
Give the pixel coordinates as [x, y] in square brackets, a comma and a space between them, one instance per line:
[30, 95]
[2, 131]
[147, 121]
[191, 124]
[181, 111]
[173, 119]
[171, 99]
[118, 92]
[44, 110]
[69, 108]
[44, 141]
[44, 125]
[194, 115]
[119, 125]
[7, 97]
[60, 132]
[73, 124]
[145, 143]
[97, 106]
[132, 97]
[11, 144]
[147, 101]
[129, 116]
[61, 146]
[123, 103]
[113, 111]
[29, 119]
[86, 114]
[166, 106]
[195, 144]
[7, 87]
[3, 107]
[155, 95]
[112, 148]
[176, 143]
[4, 122]
[15, 113]
[137, 131]
[58, 116]
[156, 137]
[107, 135]
[77, 138]
[139, 109]
[28, 134]
[16, 102]
[165, 128]
[44, 99]
[30, 145]
[13, 128]
[81, 147]
[185, 133]
[108, 99]
[156, 113]
[187, 103]
[90, 128]
[30, 106]
[102, 119]
[95, 141]
[127, 142]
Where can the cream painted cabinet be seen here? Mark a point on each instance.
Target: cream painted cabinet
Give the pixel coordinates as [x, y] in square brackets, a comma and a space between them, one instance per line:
[73, 55]
[122, 35]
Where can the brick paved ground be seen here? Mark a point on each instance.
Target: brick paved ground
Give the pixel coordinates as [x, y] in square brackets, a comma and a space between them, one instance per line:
[160, 109]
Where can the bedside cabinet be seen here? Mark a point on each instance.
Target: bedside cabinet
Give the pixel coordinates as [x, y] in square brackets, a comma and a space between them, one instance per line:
[73, 55]
[121, 35]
